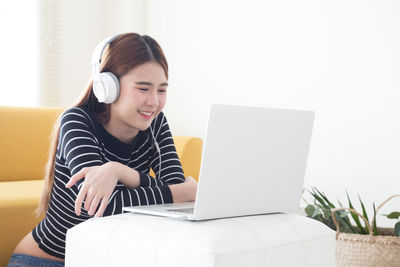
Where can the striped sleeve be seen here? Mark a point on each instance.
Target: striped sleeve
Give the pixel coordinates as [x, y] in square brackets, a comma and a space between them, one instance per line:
[144, 195]
[78, 144]
[171, 168]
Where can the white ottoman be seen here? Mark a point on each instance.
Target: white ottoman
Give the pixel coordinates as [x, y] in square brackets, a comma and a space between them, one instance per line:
[143, 240]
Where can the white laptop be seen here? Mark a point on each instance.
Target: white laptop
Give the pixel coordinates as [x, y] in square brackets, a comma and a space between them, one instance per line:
[254, 161]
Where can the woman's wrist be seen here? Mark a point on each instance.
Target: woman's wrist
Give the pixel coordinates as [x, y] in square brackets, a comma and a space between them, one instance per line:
[184, 192]
[126, 175]
[178, 192]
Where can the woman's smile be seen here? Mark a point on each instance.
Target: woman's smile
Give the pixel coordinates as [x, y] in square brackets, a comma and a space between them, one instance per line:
[146, 114]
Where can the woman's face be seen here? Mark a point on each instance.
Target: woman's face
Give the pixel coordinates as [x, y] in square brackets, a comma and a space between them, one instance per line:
[142, 97]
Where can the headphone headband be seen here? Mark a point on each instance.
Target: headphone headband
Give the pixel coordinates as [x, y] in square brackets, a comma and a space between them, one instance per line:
[98, 51]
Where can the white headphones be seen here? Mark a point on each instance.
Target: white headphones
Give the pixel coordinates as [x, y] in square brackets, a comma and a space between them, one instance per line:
[105, 84]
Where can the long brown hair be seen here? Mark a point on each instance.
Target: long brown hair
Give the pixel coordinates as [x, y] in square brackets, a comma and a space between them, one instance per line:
[122, 55]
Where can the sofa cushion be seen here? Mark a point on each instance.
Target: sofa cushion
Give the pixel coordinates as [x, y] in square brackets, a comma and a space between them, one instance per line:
[18, 201]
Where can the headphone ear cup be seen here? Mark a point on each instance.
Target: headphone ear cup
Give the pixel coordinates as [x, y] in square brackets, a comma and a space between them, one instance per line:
[99, 91]
[107, 88]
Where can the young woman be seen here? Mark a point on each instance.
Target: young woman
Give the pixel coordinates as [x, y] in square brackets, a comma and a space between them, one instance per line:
[104, 147]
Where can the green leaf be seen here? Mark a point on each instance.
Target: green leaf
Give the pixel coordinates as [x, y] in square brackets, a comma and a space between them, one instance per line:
[363, 209]
[343, 213]
[327, 213]
[344, 222]
[309, 210]
[322, 195]
[319, 199]
[393, 215]
[374, 228]
[316, 213]
[397, 229]
[355, 216]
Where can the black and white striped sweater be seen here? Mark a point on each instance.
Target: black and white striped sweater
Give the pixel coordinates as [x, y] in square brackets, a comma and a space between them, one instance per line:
[83, 142]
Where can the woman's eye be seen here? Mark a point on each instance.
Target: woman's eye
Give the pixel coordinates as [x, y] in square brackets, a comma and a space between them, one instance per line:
[143, 89]
[162, 90]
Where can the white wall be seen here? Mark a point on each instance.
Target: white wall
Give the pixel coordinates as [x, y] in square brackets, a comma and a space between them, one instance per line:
[339, 58]
[83, 25]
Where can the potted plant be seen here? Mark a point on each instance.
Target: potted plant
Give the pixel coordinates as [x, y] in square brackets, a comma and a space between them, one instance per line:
[357, 244]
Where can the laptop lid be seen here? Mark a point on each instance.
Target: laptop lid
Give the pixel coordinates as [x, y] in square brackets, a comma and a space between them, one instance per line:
[254, 161]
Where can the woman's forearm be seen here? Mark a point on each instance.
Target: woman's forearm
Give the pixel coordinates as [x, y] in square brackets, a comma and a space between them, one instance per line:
[182, 192]
[126, 175]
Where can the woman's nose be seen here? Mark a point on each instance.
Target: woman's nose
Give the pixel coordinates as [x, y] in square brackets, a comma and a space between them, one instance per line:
[152, 99]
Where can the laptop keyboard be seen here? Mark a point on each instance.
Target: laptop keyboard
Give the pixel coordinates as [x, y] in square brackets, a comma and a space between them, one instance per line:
[190, 210]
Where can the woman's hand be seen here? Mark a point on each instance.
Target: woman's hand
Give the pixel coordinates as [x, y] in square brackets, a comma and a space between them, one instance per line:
[185, 191]
[96, 189]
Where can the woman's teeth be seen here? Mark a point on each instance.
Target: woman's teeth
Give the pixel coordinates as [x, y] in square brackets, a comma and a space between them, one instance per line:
[146, 113]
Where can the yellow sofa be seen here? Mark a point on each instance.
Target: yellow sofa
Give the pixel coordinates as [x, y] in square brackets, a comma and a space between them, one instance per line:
[24, 142]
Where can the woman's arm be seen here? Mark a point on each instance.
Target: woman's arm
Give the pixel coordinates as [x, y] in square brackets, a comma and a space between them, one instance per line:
[181, 192]
[100, 182]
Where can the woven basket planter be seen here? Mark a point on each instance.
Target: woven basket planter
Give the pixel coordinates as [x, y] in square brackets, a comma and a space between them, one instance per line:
[358, 250]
